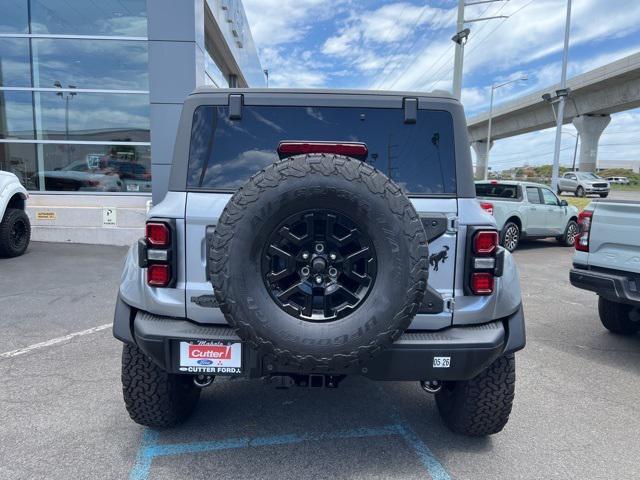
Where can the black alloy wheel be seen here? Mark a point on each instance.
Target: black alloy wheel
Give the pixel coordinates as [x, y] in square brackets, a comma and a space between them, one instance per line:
[318, 265]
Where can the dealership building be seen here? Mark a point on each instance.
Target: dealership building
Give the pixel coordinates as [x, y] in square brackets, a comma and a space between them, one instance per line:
[90, 98]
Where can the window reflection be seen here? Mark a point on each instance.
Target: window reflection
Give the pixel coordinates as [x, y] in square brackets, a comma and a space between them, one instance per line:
[14, 62]
[93, 116]
[101, 168]
[104, 64]
[14, 17]
[82, 17]
[16, 115]
[20, 159]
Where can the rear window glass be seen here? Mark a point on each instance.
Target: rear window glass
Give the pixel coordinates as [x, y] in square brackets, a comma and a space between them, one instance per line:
[224, 153]
[496, 190]
[533, 195]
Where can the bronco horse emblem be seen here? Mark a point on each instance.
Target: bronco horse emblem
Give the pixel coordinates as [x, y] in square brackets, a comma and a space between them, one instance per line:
[436, 258]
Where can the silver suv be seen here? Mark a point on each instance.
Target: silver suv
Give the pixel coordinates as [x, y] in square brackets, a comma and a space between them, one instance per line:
[312, 235]
[583, 183]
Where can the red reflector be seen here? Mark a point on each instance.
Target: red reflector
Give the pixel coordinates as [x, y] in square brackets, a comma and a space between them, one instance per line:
[482, 283]
[158, 234]
[582, 238]
[357, 150]
[158, 275]
[487, 207]
[485, 242]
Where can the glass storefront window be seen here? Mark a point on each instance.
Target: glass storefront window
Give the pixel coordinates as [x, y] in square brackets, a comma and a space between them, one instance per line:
[20, 158]
[103, 64]
[14, 62]
[214, 75]
[84, 17]
[93, 116]
[16, 115]
[97, 168]
[14, 17]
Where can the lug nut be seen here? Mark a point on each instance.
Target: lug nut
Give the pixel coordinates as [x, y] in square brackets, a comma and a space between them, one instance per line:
[305, 271]
[333, 272]
[318, 279]
[333, 256]
[319, 248]
[305, 255]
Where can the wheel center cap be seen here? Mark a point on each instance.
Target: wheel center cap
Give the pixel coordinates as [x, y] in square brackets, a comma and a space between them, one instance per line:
[319, 264]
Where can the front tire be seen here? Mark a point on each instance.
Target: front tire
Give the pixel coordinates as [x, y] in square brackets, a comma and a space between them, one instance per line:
[604, 195]
[15, 233]
[570, 232]
[616, 317]
[480, 406]
[580, 192]
[153, 397]
[510, 236]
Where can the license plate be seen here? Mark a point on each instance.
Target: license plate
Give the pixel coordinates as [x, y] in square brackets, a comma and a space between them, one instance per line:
[219, 358]
[441, 362]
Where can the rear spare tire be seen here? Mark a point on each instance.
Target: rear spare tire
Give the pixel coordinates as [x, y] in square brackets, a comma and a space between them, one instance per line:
[320, 262]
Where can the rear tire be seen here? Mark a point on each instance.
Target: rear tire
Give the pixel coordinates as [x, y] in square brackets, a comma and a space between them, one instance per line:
[570, 232]
[480, 406]
[153, 397]
[616, 317]
[510, 236]
[15, 233]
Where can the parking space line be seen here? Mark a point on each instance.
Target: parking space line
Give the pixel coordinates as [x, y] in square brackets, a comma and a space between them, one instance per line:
[53, 341]
[150, 448]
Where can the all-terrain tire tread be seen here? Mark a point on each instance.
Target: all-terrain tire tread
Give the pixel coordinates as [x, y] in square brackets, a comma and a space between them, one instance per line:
[152, 396]
[480, 406]
[10, 215]
[616, 317]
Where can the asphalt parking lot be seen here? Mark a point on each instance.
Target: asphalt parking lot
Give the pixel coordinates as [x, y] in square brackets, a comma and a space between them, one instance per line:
[575, 413]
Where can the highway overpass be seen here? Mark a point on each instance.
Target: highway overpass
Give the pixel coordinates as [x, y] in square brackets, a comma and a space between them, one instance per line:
[595, 95]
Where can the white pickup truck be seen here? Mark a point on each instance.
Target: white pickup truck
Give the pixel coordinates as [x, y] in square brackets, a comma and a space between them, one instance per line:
[15, 229]
[527, 210]
[607, 261]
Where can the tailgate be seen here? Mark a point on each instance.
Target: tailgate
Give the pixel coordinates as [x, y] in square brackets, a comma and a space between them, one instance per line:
[614, 240]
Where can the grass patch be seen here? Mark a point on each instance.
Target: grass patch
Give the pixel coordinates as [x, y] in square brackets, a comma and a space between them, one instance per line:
[578, 202]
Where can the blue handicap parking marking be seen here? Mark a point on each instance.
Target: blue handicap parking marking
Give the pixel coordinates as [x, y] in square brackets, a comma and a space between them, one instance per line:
[150, 447]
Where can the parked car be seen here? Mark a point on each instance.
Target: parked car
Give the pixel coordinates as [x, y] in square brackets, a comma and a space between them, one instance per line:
[607, 262]
[79, 176]
[527, 210]
[583, 183]
[15, 228]
[618, 180]
[281, 252]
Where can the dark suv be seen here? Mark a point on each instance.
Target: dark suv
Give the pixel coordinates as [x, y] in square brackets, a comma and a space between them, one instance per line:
[311, 235]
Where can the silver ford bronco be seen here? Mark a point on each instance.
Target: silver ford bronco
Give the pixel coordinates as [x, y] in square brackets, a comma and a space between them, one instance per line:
[309, 235]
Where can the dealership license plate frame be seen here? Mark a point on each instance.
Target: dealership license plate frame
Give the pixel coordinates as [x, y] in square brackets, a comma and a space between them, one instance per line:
[219, 366]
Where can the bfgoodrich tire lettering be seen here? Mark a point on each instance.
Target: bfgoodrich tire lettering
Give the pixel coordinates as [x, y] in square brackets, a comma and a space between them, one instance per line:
[480, 406]
[345, 186]
[152, 396]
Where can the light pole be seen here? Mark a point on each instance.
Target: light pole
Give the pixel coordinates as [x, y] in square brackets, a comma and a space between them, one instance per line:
[494, 87]
[66, 97]
[460, 39]
[562, 97]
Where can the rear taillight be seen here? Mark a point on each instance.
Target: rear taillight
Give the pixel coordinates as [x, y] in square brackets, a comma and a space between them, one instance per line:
[158, 275]
[584, 224]
[482, 283]
[485, 242]
[157, 253]
[487, 207]
[158, 234]
[356, 150]
[482, 264]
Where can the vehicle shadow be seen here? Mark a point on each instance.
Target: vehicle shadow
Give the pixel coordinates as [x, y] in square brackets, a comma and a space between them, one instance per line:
[532, 244]
[249, 409]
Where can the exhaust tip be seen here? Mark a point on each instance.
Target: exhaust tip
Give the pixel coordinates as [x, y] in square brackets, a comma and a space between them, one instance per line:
[202, 381]
[431, 386]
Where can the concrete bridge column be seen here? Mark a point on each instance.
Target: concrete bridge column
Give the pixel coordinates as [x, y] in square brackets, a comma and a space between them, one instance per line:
[480, 147]
[590, 127]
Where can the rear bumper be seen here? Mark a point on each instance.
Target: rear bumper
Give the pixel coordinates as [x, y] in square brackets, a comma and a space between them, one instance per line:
[470, 348]
[617, 286]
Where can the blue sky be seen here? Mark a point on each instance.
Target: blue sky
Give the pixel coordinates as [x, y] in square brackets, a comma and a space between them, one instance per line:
[406, 45]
